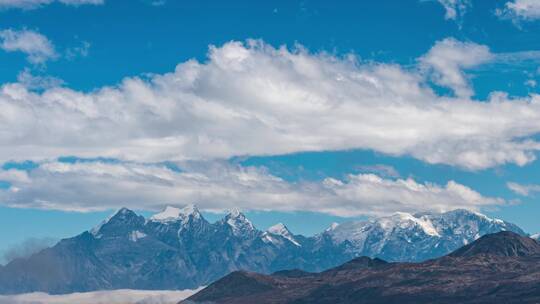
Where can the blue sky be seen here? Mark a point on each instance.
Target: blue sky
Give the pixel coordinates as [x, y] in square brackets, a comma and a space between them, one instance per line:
[335, 111]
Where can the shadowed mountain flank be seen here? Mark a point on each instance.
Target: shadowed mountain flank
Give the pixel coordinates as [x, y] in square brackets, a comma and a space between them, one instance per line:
[498, 268]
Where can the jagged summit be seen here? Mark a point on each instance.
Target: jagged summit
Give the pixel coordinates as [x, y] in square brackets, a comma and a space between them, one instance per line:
[171, 214]
[188, 252]
[282, 230]
[279, 229]
[238, 222]
[235, 213]
[504, 243]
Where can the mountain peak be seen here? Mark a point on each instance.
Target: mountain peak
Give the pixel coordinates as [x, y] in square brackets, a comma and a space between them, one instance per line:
[279, 229]
[119, 220]
[122, 214]
[238, 222]
[282, 230]
[332, 226]
[504, 243]
[235, 213]
[171, 214]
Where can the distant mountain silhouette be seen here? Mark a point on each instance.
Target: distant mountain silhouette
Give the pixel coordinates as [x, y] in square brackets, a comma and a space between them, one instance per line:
[498, 268]
[179, 249]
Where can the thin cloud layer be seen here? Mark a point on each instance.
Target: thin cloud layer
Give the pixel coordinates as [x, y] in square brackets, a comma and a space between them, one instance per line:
[254, 99]
[122, 296]
[33, 4]
[524, 190]
[87, 186]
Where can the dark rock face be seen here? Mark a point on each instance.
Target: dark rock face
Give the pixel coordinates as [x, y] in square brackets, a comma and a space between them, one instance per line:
[504, 244]
[179, 249]
[498, 268]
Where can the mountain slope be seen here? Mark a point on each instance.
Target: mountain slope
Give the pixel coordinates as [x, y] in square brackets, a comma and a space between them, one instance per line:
[179, 249]
[433, 235]
[498, 268]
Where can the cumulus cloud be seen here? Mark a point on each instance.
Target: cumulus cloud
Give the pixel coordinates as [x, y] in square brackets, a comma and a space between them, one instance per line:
[253, 99]
[36, 46]
[121, 296]
[33, 4]
[455, 8]
[527, 10]
[524, 190]
[448, 58]
[218, 186]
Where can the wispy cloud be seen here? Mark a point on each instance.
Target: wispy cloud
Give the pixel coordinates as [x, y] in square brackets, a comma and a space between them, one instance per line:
[33, 82]
[26, 248]
[35, 45]
[520, 10]
[449, 57]
[33, 4]
[218, 186]
[379, 169]
[455, 9]
[78, 51]
[521, 189]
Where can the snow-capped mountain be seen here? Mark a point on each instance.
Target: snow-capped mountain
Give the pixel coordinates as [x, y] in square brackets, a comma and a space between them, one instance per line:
[536, 236]
[408, 237]
[178, 249]
[282, 230]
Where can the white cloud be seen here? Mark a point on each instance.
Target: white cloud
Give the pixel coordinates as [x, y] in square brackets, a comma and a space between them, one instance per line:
[527, 10]
[78, 51]
[449, 57]
[36, 46]
[379, 169]
[33, 82]
[121, 296]
[33, 4]
[524, 190]
[86, 186]
[455, 8]
[253, 99]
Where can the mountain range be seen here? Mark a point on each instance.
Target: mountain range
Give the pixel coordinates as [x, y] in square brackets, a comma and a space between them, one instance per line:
[497, 268]
[180, 249]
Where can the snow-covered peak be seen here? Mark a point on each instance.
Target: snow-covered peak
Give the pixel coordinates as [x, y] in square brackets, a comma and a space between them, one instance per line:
[332, 227]
[235, 213]
[536, 236]
[279, 229]
[403, 220]
[238, 222]
[171, 214]
[282, 230]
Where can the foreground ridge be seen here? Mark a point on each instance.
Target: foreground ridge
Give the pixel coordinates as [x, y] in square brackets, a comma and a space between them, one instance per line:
[497, 268]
